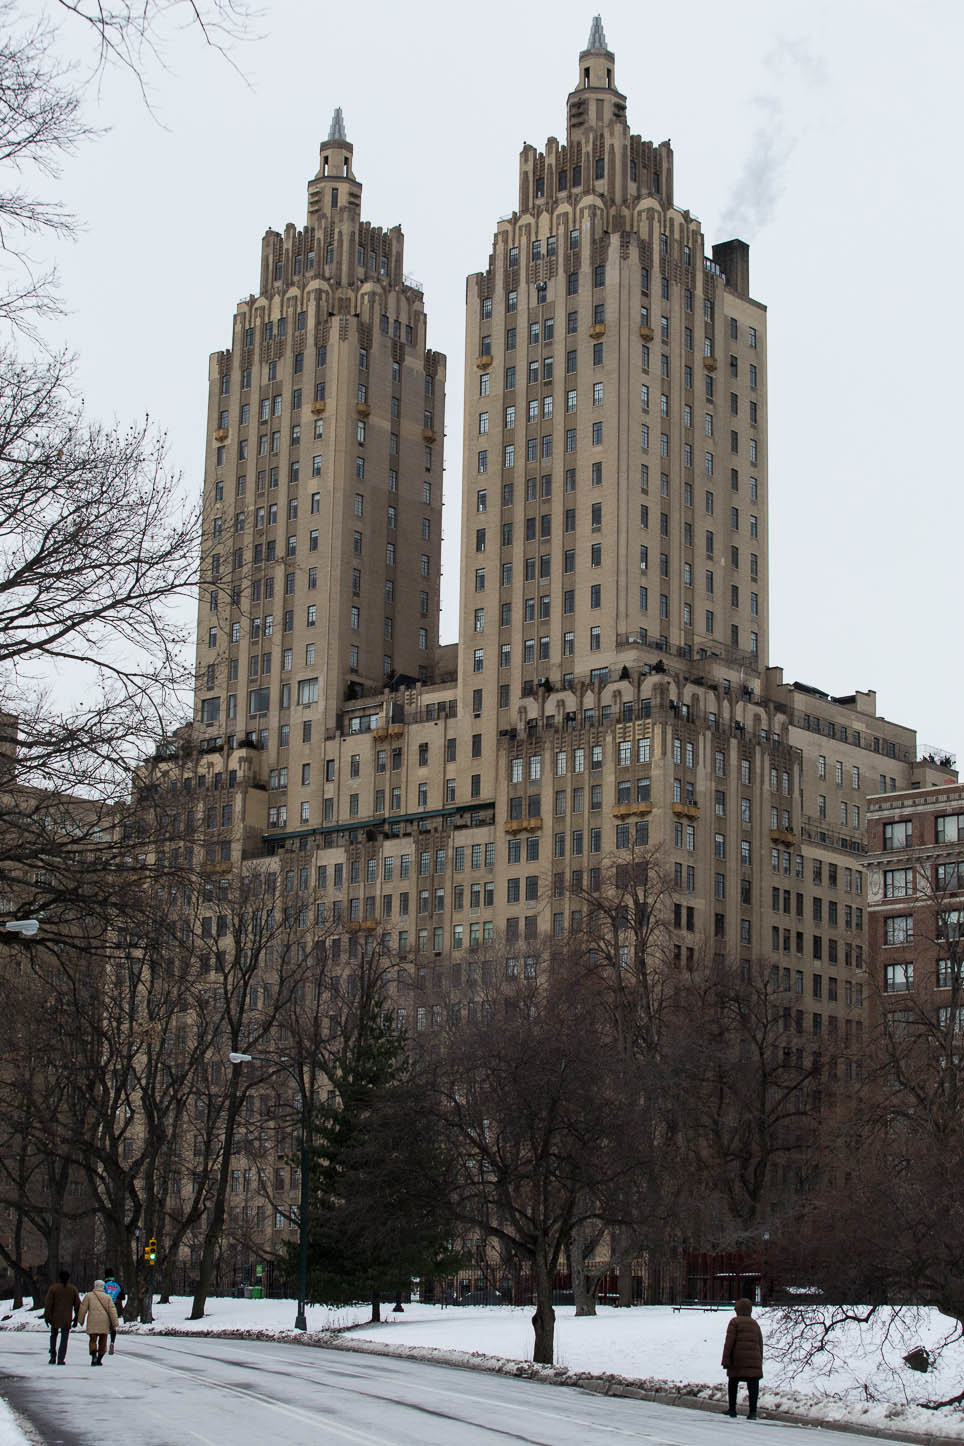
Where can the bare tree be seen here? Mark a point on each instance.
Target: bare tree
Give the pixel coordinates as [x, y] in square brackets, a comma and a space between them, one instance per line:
[624, 955]
[759, 1095]
[319, 1029]
[259, 964]
[98, 551]
[96, 555]
[39, 1178]
[533, 1104]
[42, 120]
[885, 1225]
[97, 548]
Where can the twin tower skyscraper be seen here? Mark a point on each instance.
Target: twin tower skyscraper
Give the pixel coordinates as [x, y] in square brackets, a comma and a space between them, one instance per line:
[610, 689]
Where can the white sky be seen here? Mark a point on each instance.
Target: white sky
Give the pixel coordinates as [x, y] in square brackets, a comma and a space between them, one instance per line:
[825, 134]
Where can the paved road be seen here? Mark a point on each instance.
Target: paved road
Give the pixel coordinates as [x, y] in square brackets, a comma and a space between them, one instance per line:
[161, 1391]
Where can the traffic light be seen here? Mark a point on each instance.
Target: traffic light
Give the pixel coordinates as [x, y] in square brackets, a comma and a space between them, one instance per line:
[150, 1251]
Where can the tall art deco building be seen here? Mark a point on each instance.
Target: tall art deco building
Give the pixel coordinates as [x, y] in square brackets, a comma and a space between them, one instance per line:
[611, 686]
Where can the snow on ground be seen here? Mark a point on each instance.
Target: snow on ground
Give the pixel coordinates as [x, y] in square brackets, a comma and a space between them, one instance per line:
[10, 1432]
[652, 1346]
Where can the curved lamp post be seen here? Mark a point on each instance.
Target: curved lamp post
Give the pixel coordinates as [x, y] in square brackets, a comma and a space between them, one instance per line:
[25, 927]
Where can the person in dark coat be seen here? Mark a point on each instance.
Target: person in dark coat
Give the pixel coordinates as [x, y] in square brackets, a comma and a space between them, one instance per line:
[743, 1356]
[61, 1311]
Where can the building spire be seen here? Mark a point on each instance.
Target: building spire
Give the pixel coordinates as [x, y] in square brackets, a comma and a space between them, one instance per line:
[597, 35]
[337, 132]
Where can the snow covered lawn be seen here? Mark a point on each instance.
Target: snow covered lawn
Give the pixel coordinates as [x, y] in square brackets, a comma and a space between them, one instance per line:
[651, 1346]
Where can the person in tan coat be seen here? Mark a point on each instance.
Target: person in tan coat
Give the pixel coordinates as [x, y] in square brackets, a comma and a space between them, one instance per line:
[743, 1357]
[99, 1315]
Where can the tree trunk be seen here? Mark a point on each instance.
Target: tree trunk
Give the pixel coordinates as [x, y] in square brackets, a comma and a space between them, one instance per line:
[18, 1275]
[147, 1299]
[624, 1265]
[54, 1242]
[544, 1317]
[128, 1279]
[376, 1308]
[583, 1298]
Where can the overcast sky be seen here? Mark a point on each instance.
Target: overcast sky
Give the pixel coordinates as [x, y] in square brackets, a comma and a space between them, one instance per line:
[824, 134]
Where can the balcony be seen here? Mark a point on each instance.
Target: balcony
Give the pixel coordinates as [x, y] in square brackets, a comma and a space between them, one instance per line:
[709, 363]
[523, 825]
[647, 333]
[597, 330]
[634, 810]
[686, 810]
[483, 363]
[221, 434]
[816, 830]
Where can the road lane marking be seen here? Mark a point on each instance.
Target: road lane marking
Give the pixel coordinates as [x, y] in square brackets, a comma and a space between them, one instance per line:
[482, 1401]
[347, 1433]
[655, 1434]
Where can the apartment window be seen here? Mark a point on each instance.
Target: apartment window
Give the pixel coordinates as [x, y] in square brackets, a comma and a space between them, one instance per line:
[899, 929]
[948, 973]
[898, 883]
[900, 835]
[898, 978]
[950, 924]
[949, 828]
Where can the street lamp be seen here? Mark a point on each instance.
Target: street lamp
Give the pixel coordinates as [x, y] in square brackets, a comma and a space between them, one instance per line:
[763, 1275]
[301, 1319]
[25, 927]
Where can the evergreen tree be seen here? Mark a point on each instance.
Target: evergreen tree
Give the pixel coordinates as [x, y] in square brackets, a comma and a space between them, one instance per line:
[379, 1211]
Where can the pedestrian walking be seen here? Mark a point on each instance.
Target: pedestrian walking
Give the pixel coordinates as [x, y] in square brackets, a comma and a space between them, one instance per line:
[61, 1308]
[98, 1313]
[118, 1296]
[743, 1357]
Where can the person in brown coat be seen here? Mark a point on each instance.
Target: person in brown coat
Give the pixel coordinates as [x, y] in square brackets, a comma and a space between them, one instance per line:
[743, 1357]
[61, 1308]
[97, 1310]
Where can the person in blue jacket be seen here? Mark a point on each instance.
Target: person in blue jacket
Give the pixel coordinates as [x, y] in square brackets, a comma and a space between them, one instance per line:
[118, 1296]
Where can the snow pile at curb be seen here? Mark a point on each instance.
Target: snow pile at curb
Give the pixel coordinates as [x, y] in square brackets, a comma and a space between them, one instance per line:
[10, 1432]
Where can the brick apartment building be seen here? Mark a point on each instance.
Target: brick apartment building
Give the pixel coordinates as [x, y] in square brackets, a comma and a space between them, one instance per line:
[915, 894]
